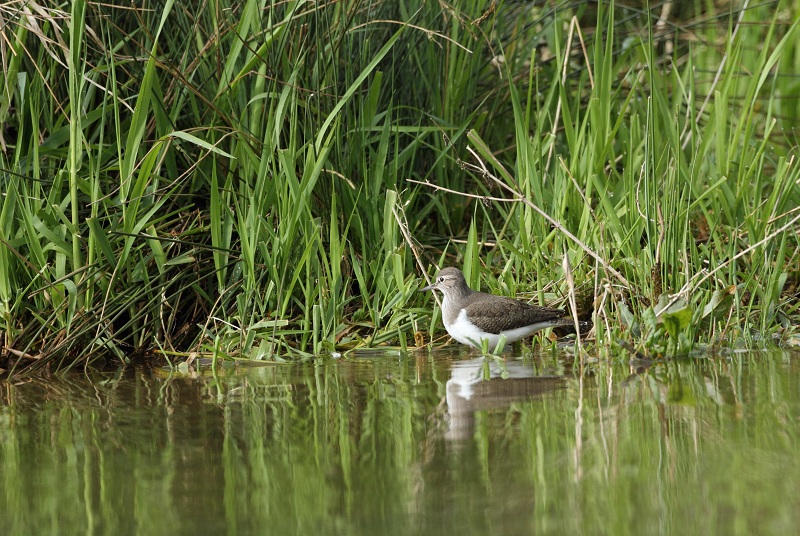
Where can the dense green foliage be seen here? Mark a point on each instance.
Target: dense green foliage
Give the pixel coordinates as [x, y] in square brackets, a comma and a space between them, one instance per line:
[249, 178]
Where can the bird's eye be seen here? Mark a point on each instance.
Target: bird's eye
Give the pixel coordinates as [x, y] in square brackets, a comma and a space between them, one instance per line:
[441, 279]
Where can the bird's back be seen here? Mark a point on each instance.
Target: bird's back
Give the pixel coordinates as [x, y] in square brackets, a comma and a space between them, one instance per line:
[499, 313]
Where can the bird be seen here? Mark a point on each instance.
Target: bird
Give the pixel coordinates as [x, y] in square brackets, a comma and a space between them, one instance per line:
[471, 316]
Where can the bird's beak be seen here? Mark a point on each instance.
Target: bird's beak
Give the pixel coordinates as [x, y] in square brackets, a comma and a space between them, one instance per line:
[429, 287]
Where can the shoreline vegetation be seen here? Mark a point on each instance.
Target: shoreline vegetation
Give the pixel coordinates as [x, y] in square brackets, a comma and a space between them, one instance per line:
[270, 180]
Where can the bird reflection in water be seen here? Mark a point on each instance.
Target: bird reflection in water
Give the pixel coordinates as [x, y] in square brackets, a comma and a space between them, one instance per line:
[490, 384]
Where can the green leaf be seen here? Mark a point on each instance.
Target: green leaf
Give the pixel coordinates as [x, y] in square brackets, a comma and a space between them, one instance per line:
[102, 240]
[200, 143]
[356, 85]
[471, 266]
[720, 303]
[676, 317]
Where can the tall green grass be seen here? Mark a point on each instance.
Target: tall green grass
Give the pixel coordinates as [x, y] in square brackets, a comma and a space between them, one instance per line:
[265, 180]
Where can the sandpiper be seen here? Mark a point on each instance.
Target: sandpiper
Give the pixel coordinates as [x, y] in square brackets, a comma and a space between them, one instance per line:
[471, 316]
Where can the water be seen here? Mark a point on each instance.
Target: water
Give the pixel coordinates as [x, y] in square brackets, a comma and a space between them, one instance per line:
[423, 444]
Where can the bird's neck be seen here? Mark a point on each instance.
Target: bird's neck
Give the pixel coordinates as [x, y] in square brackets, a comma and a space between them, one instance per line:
[457, 294]
[451, 303]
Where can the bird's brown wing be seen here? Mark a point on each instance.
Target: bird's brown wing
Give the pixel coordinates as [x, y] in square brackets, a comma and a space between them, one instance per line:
[497, 313]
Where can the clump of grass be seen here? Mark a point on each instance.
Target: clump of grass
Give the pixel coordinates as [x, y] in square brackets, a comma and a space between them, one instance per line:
[255, 181]
[681, 223]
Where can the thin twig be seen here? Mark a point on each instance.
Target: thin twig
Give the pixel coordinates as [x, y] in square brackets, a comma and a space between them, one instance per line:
[23, 355]
[465, 194]
[557, 117]
[430, 33]
[572, 27]
[573, 303]
[403, 224]
[691, 287]
[563, 229]
[518, 197]
[585, 53]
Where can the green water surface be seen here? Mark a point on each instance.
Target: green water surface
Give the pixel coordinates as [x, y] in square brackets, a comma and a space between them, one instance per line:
[439, 443]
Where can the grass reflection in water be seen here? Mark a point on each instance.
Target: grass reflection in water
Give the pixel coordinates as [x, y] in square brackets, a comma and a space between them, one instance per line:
[423, 444]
